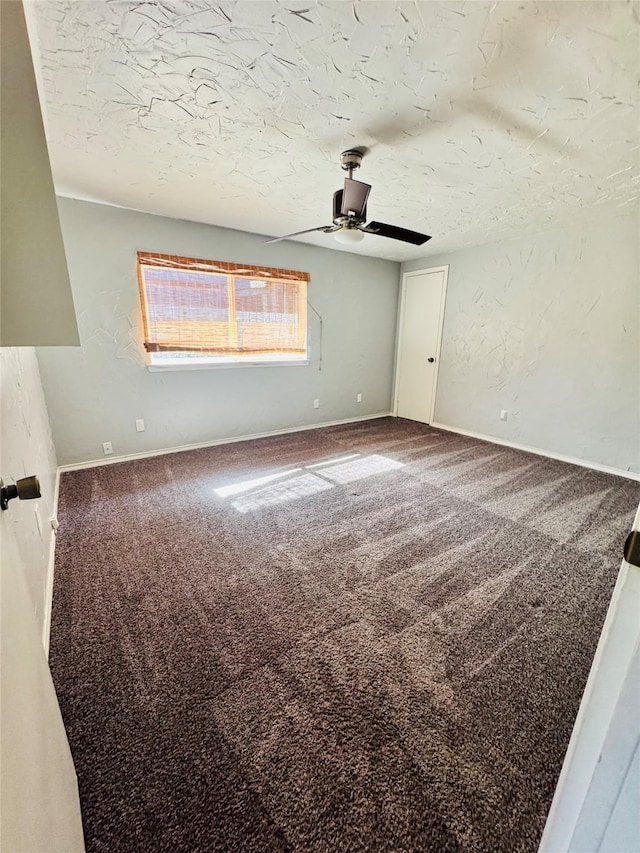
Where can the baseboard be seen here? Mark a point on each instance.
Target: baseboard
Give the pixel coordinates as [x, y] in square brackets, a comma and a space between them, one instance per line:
[112, 460]
[572, 460]
[48, 592]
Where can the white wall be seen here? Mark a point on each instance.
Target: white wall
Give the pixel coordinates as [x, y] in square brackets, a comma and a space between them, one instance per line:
[26, 448]
[547, 328]
[39, 805]
[95, 393]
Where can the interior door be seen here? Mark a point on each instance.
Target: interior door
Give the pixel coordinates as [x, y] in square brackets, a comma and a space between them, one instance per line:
[420, 333]
[39, 804]
[595, 806]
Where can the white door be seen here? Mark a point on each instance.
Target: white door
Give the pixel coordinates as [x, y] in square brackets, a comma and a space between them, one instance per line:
[595, 807]
[39, 804]
[420, 334]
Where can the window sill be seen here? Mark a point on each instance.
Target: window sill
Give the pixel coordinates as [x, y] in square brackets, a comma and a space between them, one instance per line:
[163, 368]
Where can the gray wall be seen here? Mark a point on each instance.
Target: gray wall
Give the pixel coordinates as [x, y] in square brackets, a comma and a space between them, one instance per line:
[548, 328]
[95, 393]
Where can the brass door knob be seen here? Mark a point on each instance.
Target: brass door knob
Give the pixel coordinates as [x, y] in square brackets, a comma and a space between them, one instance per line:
[26, 489]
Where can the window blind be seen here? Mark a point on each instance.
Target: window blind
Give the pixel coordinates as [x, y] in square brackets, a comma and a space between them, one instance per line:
[218, 308]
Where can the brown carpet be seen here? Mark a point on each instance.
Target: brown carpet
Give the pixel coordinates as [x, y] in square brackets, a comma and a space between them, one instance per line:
[384, 653]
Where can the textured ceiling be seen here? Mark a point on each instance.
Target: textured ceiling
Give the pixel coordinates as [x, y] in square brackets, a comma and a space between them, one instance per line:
[482, 120]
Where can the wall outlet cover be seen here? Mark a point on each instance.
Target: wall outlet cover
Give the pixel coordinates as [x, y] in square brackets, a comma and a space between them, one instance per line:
[316, 404]
[107, 447]
[140, 425]
[504, 414]
[359, 398]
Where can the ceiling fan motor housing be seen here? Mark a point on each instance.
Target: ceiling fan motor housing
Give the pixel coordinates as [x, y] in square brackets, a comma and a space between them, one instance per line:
[340, 218]
[351, 160]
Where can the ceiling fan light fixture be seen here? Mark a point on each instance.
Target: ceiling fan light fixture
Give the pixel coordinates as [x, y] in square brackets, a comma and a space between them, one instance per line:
[349, 235]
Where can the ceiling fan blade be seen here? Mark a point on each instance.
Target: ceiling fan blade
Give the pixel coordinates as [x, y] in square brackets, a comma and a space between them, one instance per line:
[354, 197]
[326, 228]
[395, 233]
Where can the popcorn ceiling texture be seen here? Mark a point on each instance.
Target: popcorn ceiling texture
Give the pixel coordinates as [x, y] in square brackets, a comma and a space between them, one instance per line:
[482, 119]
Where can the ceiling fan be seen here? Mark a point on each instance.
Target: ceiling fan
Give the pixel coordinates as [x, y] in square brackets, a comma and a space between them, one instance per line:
[350, 212]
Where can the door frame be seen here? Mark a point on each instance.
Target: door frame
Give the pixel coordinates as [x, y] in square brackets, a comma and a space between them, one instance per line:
[443, 299]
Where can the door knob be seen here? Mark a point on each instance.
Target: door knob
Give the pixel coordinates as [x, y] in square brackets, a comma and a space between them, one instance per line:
[431, 360]
[27, 489]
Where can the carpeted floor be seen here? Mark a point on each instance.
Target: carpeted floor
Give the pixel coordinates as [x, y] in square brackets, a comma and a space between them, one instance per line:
[258, 649]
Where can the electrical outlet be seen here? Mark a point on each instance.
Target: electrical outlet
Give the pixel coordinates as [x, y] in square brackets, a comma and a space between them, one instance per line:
[359, 398]
[107, 447]
[504, 414]
[140, 425]
[316, 404]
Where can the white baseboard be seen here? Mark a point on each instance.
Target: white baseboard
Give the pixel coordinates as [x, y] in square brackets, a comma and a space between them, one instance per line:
[95, 463]
[595, 466]
[48, 592]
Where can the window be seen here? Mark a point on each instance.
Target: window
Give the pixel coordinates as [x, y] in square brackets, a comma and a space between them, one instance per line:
[199, 312]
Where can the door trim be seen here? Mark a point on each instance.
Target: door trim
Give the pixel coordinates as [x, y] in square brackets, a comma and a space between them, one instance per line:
[443, 299]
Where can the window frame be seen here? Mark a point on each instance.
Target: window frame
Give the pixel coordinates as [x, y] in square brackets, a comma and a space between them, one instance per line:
[190, 360]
